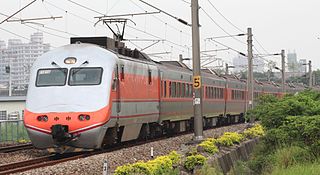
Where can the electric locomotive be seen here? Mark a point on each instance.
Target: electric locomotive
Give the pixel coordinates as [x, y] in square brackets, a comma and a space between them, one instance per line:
[87, 96]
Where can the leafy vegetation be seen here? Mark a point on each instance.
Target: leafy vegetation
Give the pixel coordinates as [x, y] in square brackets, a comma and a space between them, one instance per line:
[194, 160]
[299, 169]
[209, 146]
[292, 134]
[229, 139]
[256, 131]
[158, 166]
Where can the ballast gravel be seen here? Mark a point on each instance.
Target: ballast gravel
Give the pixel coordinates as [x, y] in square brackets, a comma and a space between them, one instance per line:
[94, 164]
[18, 156]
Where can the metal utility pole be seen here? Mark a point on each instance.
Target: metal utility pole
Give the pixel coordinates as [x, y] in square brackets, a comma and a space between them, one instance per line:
[227, 69]
[250, 81]
[283, 71]
[310, 74]
[197, 87]
[8, 71]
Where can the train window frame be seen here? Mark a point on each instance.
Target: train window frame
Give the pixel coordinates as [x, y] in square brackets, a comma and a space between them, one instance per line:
[149, 77]
[49, 69]
[173, 89]
[100, 80]
[178, 89]
[164, 88]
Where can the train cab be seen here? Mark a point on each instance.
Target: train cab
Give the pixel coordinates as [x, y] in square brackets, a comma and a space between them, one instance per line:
[68, 100]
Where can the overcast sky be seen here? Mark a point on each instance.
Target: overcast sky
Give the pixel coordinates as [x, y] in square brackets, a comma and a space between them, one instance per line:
[292, 25]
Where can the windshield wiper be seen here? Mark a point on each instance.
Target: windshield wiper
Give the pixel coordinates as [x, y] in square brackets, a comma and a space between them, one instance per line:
[60, 68]
[80, 67]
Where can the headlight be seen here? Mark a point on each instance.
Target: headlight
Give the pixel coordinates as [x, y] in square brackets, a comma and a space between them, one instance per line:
[82, 117]
[42, 118]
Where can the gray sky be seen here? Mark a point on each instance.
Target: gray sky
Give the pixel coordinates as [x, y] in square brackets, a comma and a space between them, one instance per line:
[277, 24]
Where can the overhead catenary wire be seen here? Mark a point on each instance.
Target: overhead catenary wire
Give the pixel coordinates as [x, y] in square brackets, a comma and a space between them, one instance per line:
[171, 26]
[207, 14]
[53, 29]
[87, 8]
[18, 11]
[235, 50]
[172, 16]
[225, 17]
[14, 34]
[150, 34]
[238, 28]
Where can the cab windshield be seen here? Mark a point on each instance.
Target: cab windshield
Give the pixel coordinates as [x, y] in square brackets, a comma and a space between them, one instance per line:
[51, 77]
[85, 76]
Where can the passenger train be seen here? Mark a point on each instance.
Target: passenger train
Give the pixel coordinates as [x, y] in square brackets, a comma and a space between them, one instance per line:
[95, 92]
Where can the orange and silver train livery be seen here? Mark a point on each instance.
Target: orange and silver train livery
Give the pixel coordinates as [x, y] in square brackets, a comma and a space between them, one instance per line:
[88, 96]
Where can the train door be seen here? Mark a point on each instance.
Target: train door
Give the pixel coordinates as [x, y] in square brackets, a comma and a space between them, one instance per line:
[116, 107]
[162, 91]
[225, 97]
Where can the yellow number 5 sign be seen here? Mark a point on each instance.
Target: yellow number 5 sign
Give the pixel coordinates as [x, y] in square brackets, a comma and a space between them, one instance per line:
[197, 82]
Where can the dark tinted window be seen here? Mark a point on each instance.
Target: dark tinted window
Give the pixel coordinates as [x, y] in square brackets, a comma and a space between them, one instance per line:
[51, 77]
[85, 76]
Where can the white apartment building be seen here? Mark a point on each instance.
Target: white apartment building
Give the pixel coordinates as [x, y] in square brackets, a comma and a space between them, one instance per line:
[20, 57]
[241, 64]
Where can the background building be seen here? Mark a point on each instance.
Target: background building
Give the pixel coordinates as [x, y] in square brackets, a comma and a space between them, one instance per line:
[241, 64]
[20, 57]
[12, 108]
[292, 62]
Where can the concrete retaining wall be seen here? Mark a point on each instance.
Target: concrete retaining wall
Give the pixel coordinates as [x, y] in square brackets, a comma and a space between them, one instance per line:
[229, 157]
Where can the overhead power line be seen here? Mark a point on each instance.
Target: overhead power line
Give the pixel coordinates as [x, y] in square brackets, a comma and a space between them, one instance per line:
[87, 8]
[18, 11]
[241, 53]
[90, 9]
[225, 17]
[221, 27]
[167, 24]
[172, 16]
[15, 34]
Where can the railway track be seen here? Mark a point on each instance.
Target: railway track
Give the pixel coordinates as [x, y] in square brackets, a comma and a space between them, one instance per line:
[14, 148]
[59, 158]
[36, 163]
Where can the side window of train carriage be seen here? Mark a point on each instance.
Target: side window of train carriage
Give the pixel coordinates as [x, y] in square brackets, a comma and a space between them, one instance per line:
[149, 77]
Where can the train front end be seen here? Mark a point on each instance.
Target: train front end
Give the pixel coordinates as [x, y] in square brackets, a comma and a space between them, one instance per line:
[68, 103]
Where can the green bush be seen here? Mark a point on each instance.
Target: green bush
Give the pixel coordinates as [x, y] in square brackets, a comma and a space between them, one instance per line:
[160, 165]
[256, 131]
[273, 113]
[303, 131]
[229, 139]
[174, 157]
[209, 146]
[193, 161]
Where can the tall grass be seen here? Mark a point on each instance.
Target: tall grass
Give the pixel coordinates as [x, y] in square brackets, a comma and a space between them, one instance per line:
[299, 169]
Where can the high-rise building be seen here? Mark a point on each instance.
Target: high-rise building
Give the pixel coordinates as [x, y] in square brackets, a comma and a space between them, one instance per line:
[292, 62]
[241, 64]
[302, 65]
[20, 57]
